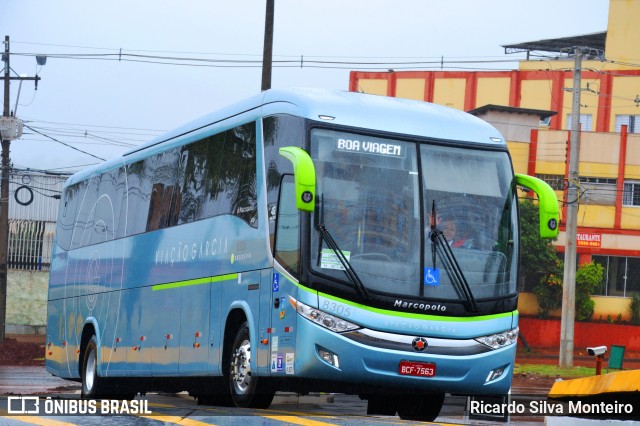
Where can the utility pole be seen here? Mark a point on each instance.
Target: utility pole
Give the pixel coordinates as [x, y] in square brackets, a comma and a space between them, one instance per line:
[569, 279]
[267, 54]
[10, 129]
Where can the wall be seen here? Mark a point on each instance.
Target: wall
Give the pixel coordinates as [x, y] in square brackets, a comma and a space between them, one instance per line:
[26, 301]
[604, 305]
[546, 333]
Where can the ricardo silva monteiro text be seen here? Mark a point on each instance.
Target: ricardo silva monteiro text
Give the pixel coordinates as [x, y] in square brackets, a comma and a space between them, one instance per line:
[551, 408]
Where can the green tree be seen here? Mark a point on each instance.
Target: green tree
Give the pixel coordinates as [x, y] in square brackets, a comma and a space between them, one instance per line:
[589, 279]
[539, 262]
[538, 257]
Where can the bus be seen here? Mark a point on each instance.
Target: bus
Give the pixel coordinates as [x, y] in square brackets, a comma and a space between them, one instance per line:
[295, 241]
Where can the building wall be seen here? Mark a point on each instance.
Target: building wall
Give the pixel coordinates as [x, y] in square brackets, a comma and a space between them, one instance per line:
[26, 300]
[623, 31]
[605, 307]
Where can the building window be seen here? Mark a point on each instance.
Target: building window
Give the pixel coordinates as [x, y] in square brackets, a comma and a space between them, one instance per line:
[598, 190]
[585, 122]
[631, 121]
[620, 275]
[631, 194]
[556, 182]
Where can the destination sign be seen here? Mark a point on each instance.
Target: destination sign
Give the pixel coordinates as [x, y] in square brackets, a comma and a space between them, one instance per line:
[369, 147]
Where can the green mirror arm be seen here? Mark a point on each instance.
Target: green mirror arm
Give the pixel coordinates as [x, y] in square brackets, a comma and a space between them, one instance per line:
[547, 203]
[304, 173]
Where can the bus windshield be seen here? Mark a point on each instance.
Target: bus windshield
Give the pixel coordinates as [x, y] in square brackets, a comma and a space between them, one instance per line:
[369, 200]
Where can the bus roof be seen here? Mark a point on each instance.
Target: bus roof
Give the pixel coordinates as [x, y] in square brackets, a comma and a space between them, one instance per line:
[360, 110]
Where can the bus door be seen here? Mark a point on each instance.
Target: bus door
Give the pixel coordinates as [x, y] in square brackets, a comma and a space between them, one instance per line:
[287, 257]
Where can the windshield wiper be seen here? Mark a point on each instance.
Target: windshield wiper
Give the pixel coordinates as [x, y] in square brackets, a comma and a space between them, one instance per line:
[441, 246]
[325, 236]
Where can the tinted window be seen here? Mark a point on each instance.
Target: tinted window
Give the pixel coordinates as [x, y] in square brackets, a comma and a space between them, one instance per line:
[165, 192]
[139, 183]
[279, 131]
[219, 176]
[85, 219]
[68, 212]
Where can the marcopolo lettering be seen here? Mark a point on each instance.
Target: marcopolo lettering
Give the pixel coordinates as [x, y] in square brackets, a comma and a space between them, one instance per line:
[419, 306]
[369, 147]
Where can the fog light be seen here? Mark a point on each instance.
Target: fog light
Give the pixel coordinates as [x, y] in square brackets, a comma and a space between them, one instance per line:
[494, 374]
[329, 357]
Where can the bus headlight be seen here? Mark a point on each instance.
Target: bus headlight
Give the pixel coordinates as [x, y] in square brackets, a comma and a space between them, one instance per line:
[322, 318]
[500, 340]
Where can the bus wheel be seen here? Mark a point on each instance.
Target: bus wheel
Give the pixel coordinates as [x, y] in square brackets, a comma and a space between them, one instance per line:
[92, 384]
[246, 390]
[422, 407]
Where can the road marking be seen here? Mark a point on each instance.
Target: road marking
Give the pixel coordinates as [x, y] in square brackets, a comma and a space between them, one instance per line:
[298, 421]
[177, 420]
[38, 420]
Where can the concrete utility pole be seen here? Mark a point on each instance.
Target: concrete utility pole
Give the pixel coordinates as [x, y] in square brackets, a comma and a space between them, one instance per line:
[267, 55]
[569, 279]
[10, 128]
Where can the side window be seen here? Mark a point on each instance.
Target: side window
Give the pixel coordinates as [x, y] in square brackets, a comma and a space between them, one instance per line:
[139, 179]
[68, 213]
[165, 192]
[218, 176]
[287, 245]
[107, 208]
[278, 131]
[85, 219]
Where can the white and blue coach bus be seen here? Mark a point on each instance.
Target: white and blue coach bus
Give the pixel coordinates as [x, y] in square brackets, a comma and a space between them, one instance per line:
[296, 241]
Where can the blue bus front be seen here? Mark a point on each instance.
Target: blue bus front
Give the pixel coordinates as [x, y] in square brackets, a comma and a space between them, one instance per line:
[407, 267]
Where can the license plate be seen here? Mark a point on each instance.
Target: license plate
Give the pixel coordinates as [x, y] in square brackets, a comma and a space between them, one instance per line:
[419, 369]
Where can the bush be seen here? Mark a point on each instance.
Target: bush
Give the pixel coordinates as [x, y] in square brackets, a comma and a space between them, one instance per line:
[548, 291]
[589, 279]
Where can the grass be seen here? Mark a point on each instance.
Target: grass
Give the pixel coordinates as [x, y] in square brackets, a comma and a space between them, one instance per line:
[554, 371]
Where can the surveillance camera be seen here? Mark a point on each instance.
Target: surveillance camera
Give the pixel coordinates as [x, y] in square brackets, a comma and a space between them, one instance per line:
[597, 351]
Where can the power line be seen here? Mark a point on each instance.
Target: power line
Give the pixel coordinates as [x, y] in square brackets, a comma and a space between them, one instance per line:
[65, 144]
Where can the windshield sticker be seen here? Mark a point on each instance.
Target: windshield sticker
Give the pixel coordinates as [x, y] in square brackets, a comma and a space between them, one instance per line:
[329, 259]
[368, 147]
[432, 277]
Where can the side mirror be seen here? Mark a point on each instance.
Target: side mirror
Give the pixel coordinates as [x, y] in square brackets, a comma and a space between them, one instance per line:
[304, 174]
[547, 203]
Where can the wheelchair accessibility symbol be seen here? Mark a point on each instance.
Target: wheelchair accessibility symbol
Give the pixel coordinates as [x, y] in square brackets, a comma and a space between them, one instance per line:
[432, 277]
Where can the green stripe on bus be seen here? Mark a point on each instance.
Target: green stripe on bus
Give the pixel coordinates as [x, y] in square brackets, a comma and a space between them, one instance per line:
[408, 314]
[198, 281]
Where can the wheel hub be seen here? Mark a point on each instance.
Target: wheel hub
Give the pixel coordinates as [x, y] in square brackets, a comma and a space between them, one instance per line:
[241, 367]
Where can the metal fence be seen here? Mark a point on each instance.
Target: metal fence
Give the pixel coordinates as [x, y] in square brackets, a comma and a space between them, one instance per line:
[33, 209]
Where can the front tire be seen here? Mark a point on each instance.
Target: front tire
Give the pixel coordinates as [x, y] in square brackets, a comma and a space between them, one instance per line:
[423, 408]
[247, 390]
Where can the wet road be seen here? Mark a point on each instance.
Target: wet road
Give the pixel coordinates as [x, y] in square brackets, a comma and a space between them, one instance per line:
[154, 409]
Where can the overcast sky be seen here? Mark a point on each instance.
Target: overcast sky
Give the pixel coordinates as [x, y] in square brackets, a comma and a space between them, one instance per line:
[103, 106]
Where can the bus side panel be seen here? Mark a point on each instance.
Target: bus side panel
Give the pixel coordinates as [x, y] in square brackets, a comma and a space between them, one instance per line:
[139, 318]
[166, 331]
[194, 329]
[56, 357]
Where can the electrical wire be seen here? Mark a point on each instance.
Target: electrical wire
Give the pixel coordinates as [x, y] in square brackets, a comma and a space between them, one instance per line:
[65, 144]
